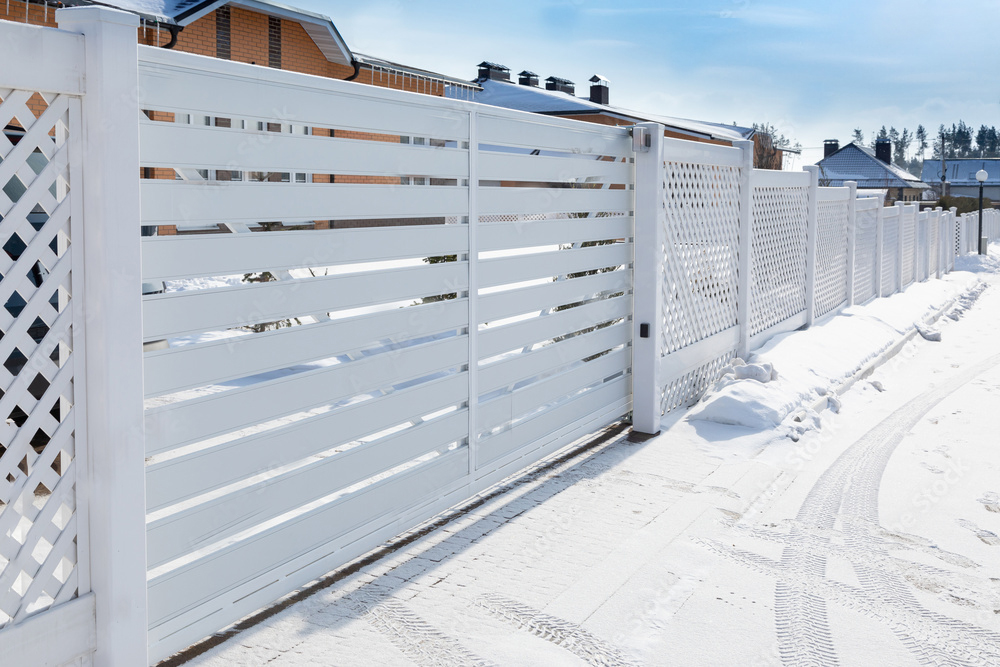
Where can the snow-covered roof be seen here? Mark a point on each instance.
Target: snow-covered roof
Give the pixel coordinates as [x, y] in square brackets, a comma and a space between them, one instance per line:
[529, 98]
[182, 12]
[859, 164]
[962, 171]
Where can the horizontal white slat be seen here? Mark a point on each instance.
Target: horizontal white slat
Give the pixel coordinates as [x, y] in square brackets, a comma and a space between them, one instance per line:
[867, 204]
[495, 200]
[207, 147]
[518, 268]
[179, 202]
[179, 313]
[197, 527]
[495, 166]
[694, 152]
[770, 178]
[790, 324]
[507, 235]
[520, 334]
[527, 433]
[189, 475]
[686, 359]
[833, 194]
[173, 369]
[176, 81]
[890, 212]
[500, 305]
[216, 414]
[533, 131]
[59, 636]
[501, 410]
[552, 357]
[245, 560]
[165, 257]
[41, 59]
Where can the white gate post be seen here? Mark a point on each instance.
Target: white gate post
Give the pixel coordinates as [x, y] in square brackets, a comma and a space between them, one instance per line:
[745, 248]
[112, 311]
[954, 238]
[812, 229]
[647, 309]
[852, 234]
[901, 246]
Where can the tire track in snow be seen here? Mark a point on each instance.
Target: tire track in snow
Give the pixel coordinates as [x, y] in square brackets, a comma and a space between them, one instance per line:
[564, 634]
[848, 492]
[418, 640]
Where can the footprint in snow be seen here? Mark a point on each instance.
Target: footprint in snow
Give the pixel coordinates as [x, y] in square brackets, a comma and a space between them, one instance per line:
[987, 536]
[991, 501]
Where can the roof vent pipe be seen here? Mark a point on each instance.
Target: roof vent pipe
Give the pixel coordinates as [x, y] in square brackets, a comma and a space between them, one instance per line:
[560, 85]
[493, 71]
[527, 78]
[830, 146]
[883, 150]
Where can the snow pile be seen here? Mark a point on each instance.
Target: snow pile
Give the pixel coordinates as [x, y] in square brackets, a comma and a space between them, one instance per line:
[796, 369]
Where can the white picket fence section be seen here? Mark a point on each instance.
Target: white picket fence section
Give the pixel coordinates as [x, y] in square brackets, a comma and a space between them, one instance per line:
[383, 303]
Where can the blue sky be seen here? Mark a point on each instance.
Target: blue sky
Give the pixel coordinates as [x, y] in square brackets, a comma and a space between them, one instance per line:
[814, 70]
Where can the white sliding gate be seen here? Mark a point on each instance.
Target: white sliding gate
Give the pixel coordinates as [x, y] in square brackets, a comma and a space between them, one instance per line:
[311, 394]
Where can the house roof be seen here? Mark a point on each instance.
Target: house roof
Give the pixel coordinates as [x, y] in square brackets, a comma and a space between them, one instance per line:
[529, 98]
[381, 63]
[182, 12]
[962, 171]
[859, 164]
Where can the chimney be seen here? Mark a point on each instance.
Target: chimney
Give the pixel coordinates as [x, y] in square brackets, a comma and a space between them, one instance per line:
[492, 71]
[883, 150]
[830, 146]
[527, 78]
[599, 89]
[561, 85]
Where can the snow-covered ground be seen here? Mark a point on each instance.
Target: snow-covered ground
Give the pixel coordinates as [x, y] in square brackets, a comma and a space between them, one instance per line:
[751, 531]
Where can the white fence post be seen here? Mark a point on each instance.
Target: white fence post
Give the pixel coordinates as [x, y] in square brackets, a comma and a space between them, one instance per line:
[473, 291]
[812, 229]
[879, 241]
[852, 235]
[647, 310]
[113, 329]
[899, 248]
[746, 247]
[954, 238]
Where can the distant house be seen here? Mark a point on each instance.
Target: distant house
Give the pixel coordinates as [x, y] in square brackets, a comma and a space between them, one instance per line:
[558, 98]
[960, 174]
[870, 169]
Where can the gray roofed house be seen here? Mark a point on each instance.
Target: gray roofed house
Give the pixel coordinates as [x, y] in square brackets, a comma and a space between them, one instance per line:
[960, 173]
[860, 164]
[527, 96]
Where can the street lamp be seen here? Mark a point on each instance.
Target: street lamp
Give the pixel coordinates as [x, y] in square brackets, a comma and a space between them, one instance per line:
[981, 176]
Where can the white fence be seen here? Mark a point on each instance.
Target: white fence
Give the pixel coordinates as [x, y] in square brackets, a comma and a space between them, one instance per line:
[383, 304]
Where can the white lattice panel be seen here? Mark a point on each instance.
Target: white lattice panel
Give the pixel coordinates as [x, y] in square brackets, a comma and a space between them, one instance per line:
[934, 240]
[890, 253]
[831, 255]
[701, 252]
[865, 254]
[778, 255]
[922, 236]
[700, 263]
[686, 389]
[908, 228]
[38, 519]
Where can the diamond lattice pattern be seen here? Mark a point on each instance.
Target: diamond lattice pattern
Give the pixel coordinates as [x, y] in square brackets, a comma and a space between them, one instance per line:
[831, 255]
[701, 252]
[866, 238]
[37, 467]
[908, 228]
[778, 255]
[890, 254]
